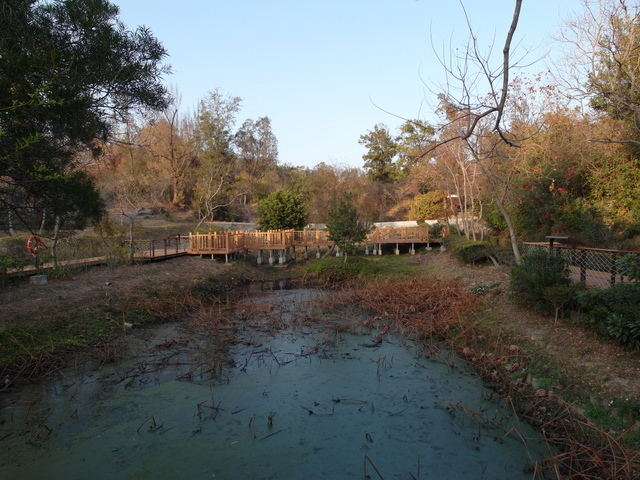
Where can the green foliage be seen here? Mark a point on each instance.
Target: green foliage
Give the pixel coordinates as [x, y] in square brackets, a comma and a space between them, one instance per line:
[59, 334]
[615, 190]
[68, 68]
[494, 218]
[614, 311]
[10, 263]
[435, 230]
[632, 230]
[533, 281]
[473, 252]
[624, 330]
[282, 210]
[426, 206]
[332, 269]
[554, 202]
[382, 149]
[345, 226]
[629, 265]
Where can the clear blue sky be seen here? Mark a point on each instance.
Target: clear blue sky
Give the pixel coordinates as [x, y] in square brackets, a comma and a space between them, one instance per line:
[322, 70]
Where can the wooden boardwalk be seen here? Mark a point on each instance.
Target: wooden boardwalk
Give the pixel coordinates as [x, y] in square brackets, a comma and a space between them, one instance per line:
[144, 251]
[226, 243]
[232, 242]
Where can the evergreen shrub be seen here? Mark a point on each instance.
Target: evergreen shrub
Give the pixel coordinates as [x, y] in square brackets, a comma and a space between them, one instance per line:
[536, 279]
[613, 312]
[473, 252]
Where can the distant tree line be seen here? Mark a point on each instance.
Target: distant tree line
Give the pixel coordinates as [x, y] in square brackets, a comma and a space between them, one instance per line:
[86, 127]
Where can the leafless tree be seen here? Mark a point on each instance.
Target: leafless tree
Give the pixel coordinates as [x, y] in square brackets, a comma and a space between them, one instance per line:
[600, 67]
[482, 114]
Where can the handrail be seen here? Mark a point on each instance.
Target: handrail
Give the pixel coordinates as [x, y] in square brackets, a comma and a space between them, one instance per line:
[235, 241]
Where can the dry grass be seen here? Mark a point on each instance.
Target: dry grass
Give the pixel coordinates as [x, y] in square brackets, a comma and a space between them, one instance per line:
[443, 309]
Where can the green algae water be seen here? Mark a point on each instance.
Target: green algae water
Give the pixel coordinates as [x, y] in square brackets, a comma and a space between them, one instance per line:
[293, 403]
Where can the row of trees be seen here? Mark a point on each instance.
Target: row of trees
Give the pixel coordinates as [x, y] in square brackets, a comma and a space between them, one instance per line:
[553, 154]
[85, 123]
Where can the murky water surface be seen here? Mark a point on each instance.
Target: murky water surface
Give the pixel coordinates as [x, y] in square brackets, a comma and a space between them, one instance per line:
[296, 401]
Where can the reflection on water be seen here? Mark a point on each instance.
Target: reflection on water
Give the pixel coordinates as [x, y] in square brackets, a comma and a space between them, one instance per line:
[298, 403]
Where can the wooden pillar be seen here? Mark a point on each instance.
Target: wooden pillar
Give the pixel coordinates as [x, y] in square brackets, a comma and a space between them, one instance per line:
[614, 269]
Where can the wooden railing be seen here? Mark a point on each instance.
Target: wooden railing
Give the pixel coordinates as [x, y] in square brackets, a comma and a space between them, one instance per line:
[399, 235]
[235, 241]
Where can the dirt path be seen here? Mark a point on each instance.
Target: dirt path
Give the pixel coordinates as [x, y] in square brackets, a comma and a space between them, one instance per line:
[604, 368]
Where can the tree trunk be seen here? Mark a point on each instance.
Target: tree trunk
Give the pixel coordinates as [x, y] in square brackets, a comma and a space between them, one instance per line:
[12, 232]
[54, 242]
[512, 231]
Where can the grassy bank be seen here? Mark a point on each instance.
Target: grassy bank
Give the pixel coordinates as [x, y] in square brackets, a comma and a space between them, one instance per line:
[43, 329]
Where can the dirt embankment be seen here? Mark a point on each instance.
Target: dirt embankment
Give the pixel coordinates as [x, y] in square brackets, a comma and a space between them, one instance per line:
[599, 367]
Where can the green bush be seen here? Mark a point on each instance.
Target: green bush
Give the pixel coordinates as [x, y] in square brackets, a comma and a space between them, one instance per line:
[332, 269]
[10, 263]
[282, 210]
[629, 265]
[538, 278]
[613, 312]
[473, 252]
[435, 230]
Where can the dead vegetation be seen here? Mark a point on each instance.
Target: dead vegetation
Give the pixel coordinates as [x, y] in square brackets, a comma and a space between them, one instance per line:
[436, 312]
[428, 309]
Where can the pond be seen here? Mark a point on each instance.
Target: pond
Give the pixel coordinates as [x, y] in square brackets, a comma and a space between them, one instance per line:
[286, 394]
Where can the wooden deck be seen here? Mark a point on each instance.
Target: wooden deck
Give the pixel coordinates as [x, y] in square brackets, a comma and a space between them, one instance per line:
[226, 243]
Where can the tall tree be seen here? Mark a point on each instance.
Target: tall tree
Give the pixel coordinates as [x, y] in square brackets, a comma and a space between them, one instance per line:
[217, 169]
[483, 114]
[170, 142]
[67, 69]
[257, 150]
[282, 210]
[381, 156]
